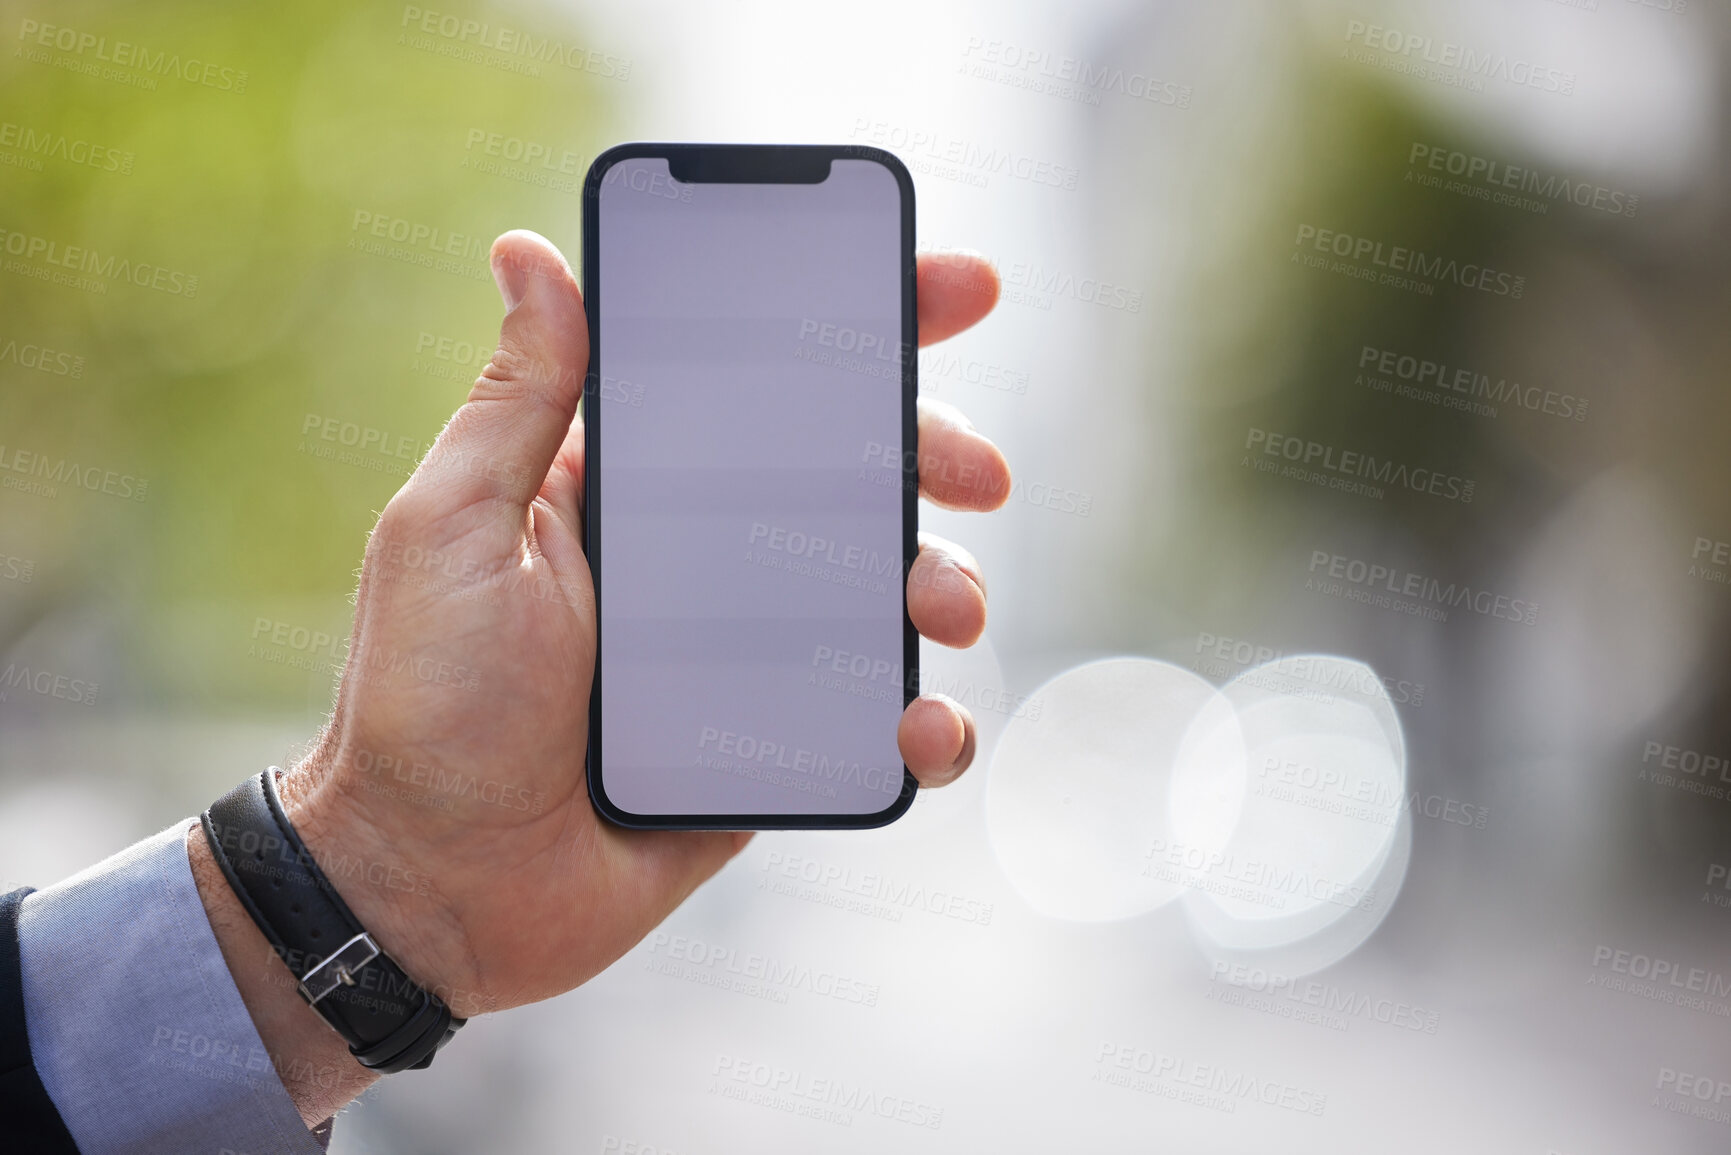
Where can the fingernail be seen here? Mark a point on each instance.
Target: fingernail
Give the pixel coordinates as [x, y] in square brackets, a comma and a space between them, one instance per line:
[956, 255]
[510, 276]
[966, 757]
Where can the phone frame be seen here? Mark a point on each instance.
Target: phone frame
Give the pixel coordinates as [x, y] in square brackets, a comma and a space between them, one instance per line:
[747, 164]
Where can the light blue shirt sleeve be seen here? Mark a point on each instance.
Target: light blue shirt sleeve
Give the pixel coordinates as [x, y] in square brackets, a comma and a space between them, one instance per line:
[137, 1031]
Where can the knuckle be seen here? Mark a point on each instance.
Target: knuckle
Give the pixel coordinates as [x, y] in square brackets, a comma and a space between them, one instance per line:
[510, 365]
[518, 372]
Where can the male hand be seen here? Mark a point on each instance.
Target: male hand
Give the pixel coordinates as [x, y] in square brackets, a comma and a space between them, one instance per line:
[448, 789]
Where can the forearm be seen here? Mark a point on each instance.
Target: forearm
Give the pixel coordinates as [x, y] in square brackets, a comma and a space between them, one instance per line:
[310, 1058]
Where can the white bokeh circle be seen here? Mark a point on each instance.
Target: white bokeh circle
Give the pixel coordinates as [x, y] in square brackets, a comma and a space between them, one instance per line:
[1077, 801]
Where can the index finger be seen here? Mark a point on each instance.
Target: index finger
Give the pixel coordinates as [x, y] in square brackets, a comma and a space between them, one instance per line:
[954, 290]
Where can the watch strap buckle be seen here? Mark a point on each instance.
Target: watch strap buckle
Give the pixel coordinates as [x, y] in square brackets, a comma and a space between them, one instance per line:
[339, 969]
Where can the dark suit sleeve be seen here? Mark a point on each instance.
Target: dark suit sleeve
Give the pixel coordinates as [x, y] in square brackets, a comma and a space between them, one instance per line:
[28, 1120]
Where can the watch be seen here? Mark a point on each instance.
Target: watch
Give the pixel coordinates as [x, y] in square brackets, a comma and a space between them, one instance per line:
[390, 1023]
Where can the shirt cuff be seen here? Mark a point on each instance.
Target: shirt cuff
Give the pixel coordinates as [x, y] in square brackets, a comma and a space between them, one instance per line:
[136, 1028]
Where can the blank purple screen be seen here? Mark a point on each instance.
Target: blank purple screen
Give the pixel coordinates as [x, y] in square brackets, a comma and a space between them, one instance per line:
[750, 492]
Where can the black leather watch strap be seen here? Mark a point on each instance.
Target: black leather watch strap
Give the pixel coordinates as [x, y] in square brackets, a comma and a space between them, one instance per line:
[389, 1022]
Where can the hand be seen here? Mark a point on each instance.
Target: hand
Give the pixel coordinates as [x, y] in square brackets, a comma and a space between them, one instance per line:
[446, 798]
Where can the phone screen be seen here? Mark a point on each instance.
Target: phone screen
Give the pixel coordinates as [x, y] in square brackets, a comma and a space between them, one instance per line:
[749, 523]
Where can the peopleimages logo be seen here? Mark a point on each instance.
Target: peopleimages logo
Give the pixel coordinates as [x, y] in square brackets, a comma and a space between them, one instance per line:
[35, 145]
[755, 757]
[974, 163]
[124, 55]
[1382, 582]
[43, 476]
[942, 363]
[529, 153]
[812, 547]
[1329, 676]
[1119, 1064]
[1350, 463]
[42, 359]
[1066, 77]
[1327, 997]
[34, 252]
[1439, 381]
[1502, 183]
[1694, 771]
[1693, 1094]
[1661, 980]
[758, 973]
[1669, 972]
[637, 179]
[832, 1100]
[48, 684]
[887, 897]
[1425, 268]
[1031, 284]
[421, 236]
[1266, 884]
[1451, 63]
[514, 45]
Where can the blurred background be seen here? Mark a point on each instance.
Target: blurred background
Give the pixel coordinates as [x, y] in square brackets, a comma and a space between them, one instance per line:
[1391, 331]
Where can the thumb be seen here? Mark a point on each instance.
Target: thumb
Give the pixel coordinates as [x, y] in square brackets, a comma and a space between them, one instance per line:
[501, 443]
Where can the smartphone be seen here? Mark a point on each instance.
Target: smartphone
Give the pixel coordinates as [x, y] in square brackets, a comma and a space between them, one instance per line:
[750, 495]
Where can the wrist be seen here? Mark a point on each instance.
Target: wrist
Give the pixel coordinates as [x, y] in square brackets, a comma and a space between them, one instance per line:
[388, 873]
[311, 1060]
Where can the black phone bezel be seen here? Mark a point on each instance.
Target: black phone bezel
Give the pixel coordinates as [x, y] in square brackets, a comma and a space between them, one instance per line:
[755, 164]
